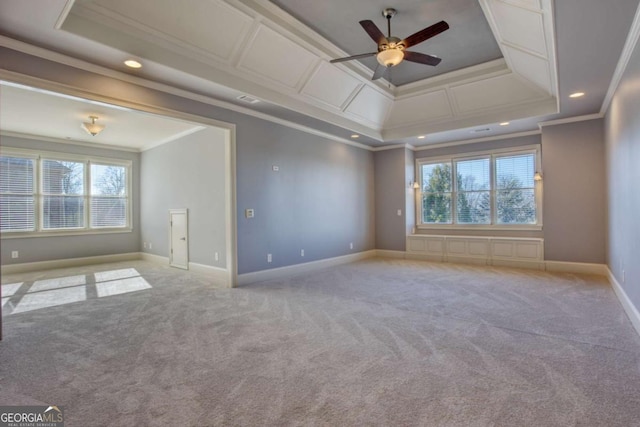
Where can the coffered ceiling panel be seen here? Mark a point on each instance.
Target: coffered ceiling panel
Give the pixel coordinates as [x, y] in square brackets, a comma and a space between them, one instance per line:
[331, 86]
[209, 26]
[495, 92]
[531, 67]
[273, 56]
[423, 108]
[511, 20]
[370, 105]
[531, 4]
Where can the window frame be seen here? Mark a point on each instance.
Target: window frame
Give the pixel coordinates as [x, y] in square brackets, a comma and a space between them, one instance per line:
[38, 157]
[492, 155]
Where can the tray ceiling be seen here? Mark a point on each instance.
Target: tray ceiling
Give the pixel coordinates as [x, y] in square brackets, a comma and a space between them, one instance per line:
[469, 40]
[258, 48]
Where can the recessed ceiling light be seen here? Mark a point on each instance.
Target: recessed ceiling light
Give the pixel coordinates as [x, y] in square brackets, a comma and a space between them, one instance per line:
[576, 95]
[355, 135]
[504, 124]
[132, 63]
[421, 137]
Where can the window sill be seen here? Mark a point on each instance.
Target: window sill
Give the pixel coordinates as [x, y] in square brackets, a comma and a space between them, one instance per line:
[59, 233]
[536, 227]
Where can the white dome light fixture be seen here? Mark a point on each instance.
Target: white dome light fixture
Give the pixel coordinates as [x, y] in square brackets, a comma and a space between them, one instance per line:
[92, 128]
[390, 57]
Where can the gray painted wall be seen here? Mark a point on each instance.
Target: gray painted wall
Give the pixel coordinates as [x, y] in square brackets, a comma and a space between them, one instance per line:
[410, 192]
[321, 200]
[34, 249]
[390, 188]
[574, 192]
[186, 173]
[622, 135]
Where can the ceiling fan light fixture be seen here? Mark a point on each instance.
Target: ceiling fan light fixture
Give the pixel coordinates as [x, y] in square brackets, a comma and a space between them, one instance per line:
[92, 128]
[390, 57]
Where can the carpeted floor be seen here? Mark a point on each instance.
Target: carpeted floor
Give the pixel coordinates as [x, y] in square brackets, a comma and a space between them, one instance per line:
[378, 342]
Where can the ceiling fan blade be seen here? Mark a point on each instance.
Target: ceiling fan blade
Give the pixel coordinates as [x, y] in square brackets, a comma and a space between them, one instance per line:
[379, 72]
[425, 34]
[373, 31]
[421, 58]
[349, 58]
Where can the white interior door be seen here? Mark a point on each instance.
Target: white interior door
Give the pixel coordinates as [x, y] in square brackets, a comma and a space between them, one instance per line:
[179, 238]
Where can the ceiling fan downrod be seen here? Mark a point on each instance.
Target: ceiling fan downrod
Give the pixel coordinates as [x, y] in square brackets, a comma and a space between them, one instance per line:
[389, 13]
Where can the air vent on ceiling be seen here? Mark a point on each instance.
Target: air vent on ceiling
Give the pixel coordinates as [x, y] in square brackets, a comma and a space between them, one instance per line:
[481, 130]
[248, 99]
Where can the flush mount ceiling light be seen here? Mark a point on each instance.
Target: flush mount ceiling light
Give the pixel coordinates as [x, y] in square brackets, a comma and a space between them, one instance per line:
[576, 95]
[421, 137]
[132, 63]
[92, 128]
[504, 124]
[355, 135]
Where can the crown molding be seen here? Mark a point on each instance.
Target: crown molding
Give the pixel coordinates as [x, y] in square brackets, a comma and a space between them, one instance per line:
[395, 146]
[623, 62]
[485, 139]
[69, 141]
[574, 119]
[40, 52]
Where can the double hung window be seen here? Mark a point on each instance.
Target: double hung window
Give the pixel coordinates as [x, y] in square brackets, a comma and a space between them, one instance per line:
[48, 192]
[489, 189]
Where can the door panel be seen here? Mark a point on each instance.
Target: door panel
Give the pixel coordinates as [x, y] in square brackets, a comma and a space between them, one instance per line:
[179, 239]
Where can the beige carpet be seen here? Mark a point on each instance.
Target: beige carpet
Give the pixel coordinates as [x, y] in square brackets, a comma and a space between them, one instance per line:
[378, 342]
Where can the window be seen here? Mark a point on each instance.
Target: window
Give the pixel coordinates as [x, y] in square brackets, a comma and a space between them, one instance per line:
[17, 194]
[62, 196]
[71, 194]
[436, 198]
[491, 189]
[108, 195]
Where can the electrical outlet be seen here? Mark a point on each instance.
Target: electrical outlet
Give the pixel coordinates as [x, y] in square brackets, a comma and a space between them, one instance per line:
[351, 245]
[249, 213]
[216, 256]
[399, 212]
[301, 252]
[15, 254]
[269, 258]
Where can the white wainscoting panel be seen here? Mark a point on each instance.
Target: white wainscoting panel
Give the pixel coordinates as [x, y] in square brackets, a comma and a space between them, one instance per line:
[518, 252]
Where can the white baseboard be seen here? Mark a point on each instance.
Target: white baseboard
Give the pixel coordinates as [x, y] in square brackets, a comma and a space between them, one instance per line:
[280, 272]
[154, 258]
[390, 254]
[627, 305]
[220, 276]
[576, 267]
[69, 262]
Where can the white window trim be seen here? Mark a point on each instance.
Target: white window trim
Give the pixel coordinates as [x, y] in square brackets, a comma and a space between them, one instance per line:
[38, 155]
[493, 154]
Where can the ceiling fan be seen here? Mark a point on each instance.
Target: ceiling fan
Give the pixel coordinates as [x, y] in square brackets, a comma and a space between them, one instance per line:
[392, 50]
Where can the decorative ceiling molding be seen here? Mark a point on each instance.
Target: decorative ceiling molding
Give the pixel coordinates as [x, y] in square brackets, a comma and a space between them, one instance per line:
[255, 47]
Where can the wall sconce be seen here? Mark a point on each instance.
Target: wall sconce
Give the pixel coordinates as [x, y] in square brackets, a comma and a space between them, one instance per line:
[415, 185]
[537, 176]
